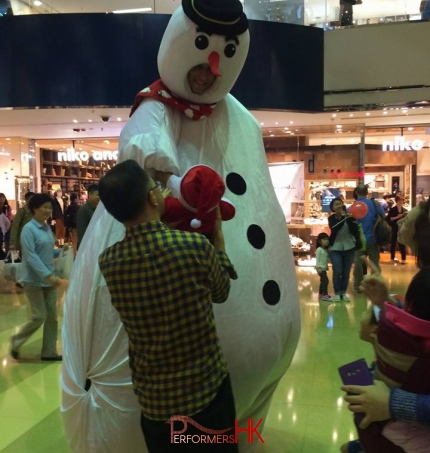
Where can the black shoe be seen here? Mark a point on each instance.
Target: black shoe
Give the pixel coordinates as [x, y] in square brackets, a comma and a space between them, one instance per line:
[13, 352]
[55, 358]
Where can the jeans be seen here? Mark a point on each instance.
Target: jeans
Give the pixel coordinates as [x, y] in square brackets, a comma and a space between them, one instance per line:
[341, 261]
[219, 415]
[323, 283]
[372, 251]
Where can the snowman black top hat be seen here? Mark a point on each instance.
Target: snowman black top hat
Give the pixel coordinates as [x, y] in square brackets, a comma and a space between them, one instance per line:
[220, 17]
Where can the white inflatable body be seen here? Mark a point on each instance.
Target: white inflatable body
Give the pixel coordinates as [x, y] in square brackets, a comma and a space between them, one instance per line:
[258, 325]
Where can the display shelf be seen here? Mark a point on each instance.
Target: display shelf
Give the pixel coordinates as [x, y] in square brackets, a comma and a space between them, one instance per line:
[315, 190]
[70, 176]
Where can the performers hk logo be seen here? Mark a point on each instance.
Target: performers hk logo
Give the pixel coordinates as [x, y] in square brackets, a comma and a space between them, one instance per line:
[211, 436]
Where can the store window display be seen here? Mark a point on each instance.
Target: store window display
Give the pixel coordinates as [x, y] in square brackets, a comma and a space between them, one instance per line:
[59, 206]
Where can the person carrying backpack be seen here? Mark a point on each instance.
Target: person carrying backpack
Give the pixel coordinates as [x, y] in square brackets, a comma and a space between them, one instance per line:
[368, 223]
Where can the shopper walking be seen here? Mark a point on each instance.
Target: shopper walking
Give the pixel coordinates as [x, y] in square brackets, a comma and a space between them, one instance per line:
[344, 240]
[368, 223]
[394, 215]
[85, 212]
[39, 280]
[4, 225]
[22, 217]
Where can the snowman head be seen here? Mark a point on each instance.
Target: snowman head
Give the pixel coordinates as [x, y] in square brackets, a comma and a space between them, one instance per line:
[205, 35]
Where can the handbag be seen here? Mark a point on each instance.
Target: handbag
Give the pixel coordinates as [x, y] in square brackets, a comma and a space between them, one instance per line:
[381, 229]
[64, 264]
[12, 267]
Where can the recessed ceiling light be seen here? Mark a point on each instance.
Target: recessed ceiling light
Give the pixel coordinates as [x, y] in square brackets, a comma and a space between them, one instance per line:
[410, 128]
[90, 121]
[134, 10]
[385, 113]
[119, 119]
[37, 3]
[351, 114]
[291, 122]
[334, 115]
[75, 121]
[262, 124]
[367, 113]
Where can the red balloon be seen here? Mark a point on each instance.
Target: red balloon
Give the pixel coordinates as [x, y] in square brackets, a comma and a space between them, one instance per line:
[358, 210]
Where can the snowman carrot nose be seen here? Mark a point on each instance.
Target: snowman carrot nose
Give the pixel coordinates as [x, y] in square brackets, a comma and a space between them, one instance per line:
[214, 63]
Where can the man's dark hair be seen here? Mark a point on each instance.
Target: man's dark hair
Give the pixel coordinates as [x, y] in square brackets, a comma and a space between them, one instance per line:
[37, 200]
[28, 195]
[124, 190]
[362, 190]
[73, 197]
[93, 188]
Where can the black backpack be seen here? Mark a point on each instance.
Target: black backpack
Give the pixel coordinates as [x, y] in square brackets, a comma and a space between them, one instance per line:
[381, 229]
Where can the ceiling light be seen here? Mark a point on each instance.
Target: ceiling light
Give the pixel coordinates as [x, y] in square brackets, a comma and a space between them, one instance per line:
[410, 128]
[75, 121]
[385, 113]
[351, 114]
[367, 113]
[276, 123]
[291, 122]
[334, 115]
[135, 10]
[90, 121]
[119, 119]
[37, 3]
[339, 126]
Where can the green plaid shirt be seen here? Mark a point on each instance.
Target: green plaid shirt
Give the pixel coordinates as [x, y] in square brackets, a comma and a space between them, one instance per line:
[163, 283]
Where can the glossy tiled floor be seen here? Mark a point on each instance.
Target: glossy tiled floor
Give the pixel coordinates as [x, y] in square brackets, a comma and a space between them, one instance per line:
[307, 413]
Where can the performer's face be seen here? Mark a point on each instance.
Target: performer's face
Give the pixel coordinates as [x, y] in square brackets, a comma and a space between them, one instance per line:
[200, 78]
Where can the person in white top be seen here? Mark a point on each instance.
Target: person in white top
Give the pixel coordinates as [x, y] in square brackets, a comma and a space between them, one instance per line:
[322, 256]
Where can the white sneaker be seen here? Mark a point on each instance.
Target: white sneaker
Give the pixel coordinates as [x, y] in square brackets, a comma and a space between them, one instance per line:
[337, 298]
[345, 298]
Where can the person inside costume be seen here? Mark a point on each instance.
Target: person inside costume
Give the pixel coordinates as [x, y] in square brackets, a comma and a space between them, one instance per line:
[173, 128]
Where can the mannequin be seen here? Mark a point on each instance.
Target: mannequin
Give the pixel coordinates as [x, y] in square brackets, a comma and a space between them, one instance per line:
[59, 205]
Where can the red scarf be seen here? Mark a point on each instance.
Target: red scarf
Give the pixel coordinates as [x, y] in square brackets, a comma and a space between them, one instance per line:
[160, 92]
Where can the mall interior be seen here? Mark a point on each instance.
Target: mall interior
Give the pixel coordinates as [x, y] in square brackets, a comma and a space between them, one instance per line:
[344, 102]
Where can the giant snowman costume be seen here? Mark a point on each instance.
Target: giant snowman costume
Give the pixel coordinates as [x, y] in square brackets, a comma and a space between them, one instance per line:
[259, 324]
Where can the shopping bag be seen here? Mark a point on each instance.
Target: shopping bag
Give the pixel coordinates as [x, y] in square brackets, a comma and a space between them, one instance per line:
[64, 264]
[12, 267]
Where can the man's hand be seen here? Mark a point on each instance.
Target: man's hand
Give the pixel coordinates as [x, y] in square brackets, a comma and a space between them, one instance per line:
[372, 400]
[217, 237]
[163, 176]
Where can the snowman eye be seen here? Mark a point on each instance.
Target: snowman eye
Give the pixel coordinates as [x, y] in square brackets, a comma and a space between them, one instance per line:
[201, 42]
[229, 50]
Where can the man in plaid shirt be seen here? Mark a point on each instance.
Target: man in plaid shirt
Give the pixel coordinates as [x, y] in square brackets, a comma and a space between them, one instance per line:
[163, 283]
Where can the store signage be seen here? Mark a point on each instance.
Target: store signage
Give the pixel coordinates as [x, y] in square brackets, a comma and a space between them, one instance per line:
[74, 156]
[401, 143]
